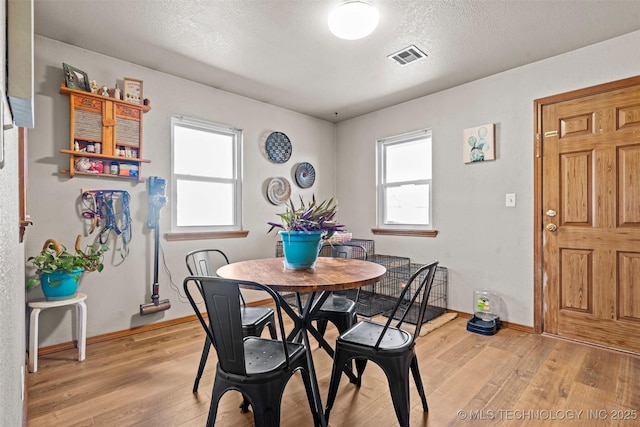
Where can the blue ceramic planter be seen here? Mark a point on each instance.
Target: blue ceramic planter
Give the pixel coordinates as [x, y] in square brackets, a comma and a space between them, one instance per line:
[60, 284]
[300, 248]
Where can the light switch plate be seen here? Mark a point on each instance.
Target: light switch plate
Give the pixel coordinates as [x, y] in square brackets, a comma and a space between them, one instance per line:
[510, 201]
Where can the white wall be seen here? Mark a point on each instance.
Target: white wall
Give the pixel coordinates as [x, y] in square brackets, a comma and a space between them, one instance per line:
[12, 302]
[116, 294]
[12, 299]
[483, 243]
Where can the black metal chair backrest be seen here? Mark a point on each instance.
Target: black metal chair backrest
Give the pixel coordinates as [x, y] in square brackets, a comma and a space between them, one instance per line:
[224, 329]
[425, 276]
[203, 262]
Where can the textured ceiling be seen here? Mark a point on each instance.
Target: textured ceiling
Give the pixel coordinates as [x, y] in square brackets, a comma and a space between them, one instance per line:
[281, 51]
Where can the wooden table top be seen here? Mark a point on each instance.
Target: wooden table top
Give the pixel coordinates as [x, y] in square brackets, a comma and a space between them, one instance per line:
[329, 274]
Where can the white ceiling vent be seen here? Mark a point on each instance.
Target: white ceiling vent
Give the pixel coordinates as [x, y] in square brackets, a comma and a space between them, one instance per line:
[407, 55]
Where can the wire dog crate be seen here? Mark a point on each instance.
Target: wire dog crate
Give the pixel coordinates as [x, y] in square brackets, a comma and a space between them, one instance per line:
[437, 303]
[381, 297]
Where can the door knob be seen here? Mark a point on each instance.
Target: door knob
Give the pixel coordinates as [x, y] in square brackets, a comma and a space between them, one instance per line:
[552, 227]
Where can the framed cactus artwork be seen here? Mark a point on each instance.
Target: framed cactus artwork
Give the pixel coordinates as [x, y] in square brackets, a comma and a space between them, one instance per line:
[479, 144]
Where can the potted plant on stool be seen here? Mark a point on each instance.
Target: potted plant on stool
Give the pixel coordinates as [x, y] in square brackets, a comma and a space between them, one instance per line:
[303, 228]
[58, 271]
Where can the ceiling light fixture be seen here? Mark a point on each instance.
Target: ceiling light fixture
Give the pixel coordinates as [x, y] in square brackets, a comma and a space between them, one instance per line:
[353, 20]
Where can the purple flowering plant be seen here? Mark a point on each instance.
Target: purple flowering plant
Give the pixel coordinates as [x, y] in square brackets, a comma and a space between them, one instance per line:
[310, 216]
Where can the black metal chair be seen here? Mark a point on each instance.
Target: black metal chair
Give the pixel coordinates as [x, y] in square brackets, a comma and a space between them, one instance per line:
[201, 262]
[340, 307]
[392, 348]
[259, 368]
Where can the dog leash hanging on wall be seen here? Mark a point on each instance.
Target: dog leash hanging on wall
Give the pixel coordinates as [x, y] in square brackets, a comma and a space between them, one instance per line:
[108, 211]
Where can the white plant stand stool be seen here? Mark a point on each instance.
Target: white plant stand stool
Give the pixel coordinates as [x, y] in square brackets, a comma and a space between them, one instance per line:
[36, 306]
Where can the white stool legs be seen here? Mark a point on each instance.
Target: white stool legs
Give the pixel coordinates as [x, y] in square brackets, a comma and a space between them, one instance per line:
[33, 340]
[81, 318]
[37, 306]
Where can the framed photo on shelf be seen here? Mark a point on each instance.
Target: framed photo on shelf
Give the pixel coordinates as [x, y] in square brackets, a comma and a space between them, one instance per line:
[132, 90]
[75, 79]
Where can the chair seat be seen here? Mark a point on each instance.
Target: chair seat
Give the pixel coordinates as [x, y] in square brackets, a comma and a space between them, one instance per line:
[366, 333]
[254, 315]
[338, 304]
[264, 355]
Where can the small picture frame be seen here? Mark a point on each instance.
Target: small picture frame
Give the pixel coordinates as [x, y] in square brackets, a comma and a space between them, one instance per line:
[478, 144]
[75, 78]
[132, 90]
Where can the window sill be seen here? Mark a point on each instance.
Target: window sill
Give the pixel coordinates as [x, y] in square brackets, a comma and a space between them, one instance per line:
[239, 234]
[406, 232]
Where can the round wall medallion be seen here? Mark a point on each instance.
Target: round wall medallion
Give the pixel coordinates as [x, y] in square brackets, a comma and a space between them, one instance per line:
[278, 190]
[305, 175]
[278, 147]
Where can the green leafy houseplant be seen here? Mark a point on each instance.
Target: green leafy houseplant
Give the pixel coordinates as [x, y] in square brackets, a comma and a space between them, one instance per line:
[54, 258]
[304, 228]
[310, 216]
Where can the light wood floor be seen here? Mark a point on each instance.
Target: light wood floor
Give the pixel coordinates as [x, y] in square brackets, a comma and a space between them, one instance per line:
[510, 379]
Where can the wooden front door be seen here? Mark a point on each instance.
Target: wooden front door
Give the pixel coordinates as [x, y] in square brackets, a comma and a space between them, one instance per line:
[589, 214]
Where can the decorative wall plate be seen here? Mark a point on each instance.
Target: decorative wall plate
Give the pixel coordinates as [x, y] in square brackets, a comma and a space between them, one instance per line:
[305, 175]
[278, 147]
[278, 190]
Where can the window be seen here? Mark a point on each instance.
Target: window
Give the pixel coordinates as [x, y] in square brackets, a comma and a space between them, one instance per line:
[404, 181]
[206, 176]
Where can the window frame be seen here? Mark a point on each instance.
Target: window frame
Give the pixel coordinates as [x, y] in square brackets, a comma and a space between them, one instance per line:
[383, 227]
[181, 232]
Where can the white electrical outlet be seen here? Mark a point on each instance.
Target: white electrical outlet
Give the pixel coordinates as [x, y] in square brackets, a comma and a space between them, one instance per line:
[510, 200]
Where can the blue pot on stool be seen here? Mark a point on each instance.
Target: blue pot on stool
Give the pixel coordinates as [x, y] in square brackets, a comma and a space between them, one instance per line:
[300, 248]
[60, 284]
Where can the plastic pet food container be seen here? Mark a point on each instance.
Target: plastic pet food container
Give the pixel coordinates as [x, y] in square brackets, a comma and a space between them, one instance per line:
[486, 312]
[486, 304]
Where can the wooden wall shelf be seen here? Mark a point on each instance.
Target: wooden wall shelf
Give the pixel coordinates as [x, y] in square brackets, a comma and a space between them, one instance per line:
[108, 125]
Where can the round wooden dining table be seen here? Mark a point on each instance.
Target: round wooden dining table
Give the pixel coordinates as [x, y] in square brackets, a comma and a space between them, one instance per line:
[329, 274]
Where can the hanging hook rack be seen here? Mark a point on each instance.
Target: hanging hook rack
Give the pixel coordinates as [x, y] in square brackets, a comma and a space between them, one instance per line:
[103, 209]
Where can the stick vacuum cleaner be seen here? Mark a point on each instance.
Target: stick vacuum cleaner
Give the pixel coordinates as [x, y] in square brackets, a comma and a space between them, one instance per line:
[156, 190]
